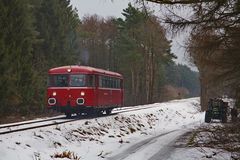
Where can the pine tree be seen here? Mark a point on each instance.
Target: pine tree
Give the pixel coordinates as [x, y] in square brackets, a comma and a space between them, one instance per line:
[16, 43]
[57, 25]
[142, 47]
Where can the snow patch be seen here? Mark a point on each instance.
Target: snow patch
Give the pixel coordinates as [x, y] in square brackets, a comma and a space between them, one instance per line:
[101, 137]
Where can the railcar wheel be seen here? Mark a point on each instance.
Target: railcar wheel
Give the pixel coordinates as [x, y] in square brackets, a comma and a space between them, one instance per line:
[79, 114]
[68, 114]
[108, 111]
[94, 112]
[99, 112]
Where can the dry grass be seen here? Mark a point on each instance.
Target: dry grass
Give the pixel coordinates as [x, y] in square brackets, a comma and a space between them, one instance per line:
[66, 154]
[226, 137]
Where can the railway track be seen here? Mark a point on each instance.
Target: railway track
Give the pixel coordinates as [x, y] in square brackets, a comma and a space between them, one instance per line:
[28, 126]
[22, 126]
[127, 109]
[30, 122]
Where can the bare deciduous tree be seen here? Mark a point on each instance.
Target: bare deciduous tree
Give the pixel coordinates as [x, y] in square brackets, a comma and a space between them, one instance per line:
[214, 42]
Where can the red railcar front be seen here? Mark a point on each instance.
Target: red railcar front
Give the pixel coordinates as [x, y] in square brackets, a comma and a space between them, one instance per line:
[81, 89]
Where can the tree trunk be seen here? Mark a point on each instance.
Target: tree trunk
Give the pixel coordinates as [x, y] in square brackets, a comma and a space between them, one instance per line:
[203, 98]
[148, 75]
[133, 95]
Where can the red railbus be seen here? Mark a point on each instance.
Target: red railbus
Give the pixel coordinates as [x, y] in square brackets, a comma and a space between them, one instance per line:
[83, 89]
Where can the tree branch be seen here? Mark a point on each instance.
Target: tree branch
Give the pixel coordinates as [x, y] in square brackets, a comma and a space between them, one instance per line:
[180, 1]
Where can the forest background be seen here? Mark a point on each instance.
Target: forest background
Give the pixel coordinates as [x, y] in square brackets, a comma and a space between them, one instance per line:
[213, 44]
[36, 35]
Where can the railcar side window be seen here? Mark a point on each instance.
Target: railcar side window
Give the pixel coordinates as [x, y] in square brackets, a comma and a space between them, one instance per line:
[90, 81]
[118, 83]
[109, 82]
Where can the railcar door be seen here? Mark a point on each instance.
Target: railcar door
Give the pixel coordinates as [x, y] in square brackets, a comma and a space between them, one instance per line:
[95, 90]
[102, 91]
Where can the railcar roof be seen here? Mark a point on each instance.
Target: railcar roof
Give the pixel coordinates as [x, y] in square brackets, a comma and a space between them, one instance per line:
[82, 69]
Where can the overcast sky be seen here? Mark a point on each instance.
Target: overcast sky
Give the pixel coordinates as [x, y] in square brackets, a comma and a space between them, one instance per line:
[109, 8]
[103, 8]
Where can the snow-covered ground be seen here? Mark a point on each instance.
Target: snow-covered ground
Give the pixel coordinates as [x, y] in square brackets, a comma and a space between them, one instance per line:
[142, 134]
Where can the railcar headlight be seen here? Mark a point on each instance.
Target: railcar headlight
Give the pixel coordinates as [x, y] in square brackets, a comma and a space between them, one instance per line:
[82, 93]
[54, 93]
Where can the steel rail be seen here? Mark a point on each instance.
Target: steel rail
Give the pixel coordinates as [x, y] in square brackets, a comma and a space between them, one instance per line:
[34, 127]
[29, 122]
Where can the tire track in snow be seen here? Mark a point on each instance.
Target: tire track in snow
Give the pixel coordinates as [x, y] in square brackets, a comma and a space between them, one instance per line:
[142, 144]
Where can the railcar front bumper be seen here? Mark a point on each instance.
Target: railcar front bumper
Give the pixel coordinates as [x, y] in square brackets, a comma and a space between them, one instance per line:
[71, 109]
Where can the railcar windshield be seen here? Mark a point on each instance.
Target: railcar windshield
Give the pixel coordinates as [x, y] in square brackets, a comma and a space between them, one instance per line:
[71, 80]
[78, 80]
[58, 81]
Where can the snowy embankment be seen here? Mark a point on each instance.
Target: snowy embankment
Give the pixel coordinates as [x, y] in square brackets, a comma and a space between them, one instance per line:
[103, 137]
